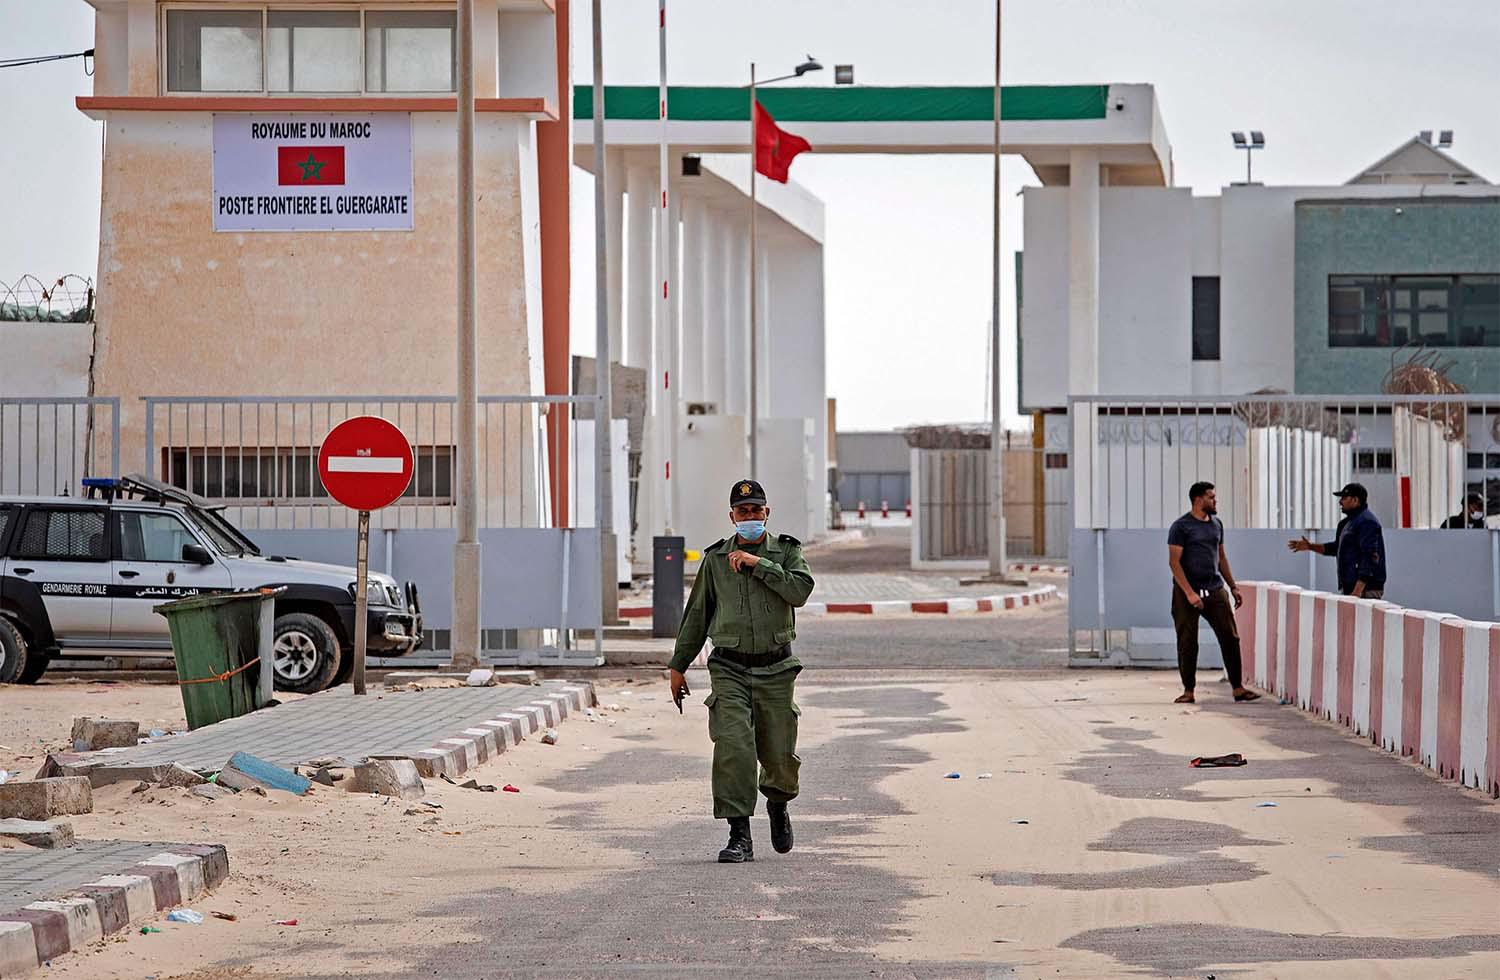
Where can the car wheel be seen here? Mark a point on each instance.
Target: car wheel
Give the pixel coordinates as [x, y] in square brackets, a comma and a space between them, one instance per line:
[16, 659]
[305, 653]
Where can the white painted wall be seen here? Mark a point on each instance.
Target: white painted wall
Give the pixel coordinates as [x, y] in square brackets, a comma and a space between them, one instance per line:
[43, 448]
[1152, 241]
[45, 360]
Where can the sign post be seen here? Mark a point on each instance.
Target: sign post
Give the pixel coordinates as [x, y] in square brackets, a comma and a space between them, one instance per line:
[366, 464]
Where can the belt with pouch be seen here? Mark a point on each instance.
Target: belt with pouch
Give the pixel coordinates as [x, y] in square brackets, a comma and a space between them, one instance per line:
[753, 659]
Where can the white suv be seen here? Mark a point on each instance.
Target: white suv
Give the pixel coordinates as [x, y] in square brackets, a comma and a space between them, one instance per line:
[80, 577]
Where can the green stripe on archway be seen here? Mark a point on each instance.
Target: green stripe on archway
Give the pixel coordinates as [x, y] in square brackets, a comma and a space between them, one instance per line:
[924, 104]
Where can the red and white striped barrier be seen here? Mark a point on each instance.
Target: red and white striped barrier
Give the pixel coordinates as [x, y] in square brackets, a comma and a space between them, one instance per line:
[887, 607]
[1422, 684]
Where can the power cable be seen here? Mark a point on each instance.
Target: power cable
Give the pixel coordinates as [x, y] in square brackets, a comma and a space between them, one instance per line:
[42, 59]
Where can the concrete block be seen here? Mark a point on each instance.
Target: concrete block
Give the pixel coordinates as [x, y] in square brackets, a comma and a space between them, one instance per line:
[180, 775]
[140, 897]
[211, 791]
[17, 949]
[189, 871]
[81, 916]
[388, 777]
[42, 799]
[101, 775]
[244, 771]
[38, 833]
[92, 734]
[481, 677]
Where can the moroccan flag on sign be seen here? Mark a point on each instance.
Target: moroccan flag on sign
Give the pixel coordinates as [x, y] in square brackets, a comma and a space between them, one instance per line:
[303, 165]
[774, 146]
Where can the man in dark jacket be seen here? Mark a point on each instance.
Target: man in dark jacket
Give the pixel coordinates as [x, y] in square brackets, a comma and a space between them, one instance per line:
[1472, 516]
[1358, 544]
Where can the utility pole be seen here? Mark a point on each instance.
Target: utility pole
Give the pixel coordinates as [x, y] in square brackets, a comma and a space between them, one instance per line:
[604, 496]
[998, 563]
[466, 566]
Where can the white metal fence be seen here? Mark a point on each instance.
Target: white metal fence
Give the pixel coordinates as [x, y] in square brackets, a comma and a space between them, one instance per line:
[1429, 463]
[1275, 460]
[48, 446]
[259, 456]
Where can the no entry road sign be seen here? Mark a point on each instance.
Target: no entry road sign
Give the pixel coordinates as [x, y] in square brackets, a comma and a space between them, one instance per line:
[365, 463]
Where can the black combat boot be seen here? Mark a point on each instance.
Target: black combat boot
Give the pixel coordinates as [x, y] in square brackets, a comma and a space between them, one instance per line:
[739, 849]
[781, 826]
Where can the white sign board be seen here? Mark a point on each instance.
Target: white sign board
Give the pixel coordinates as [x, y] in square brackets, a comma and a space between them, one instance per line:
[310, 172]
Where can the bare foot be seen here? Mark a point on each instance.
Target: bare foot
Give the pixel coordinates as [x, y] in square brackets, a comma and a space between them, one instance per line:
[1186, 697]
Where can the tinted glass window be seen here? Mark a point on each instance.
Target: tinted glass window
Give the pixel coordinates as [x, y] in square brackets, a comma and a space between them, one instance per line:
[153, 537]
[214, 51]
[410, 50]
[64, 534]
[1205, 318]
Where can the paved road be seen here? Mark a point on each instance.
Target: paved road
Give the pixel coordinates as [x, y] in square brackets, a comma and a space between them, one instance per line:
[1092, 851]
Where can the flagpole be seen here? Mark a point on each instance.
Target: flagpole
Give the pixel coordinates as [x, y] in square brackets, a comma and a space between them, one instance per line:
[666, 331]
[754, 298]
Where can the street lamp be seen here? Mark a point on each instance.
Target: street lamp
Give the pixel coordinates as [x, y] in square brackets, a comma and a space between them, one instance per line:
[1257, 141]
[810, 65]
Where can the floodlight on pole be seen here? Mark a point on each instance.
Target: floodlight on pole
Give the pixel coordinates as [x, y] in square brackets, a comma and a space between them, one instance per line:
[1257, 141]
[810, 65]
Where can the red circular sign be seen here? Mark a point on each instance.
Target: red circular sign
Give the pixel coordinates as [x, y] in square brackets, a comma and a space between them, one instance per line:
[365, 463]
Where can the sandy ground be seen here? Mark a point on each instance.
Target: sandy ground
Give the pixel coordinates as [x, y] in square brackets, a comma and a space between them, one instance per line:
[1129, 863]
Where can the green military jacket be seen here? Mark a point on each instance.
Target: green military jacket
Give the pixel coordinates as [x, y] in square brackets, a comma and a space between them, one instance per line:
[749, 611]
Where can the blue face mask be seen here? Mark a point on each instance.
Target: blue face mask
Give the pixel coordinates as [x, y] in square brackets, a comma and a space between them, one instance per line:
[750, 530]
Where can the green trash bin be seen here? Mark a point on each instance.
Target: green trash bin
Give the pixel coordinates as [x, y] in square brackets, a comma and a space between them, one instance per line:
[222, 645]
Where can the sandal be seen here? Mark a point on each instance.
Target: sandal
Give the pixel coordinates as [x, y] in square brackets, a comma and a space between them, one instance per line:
[1248, 695]
[1218, 761]
[1185, 698]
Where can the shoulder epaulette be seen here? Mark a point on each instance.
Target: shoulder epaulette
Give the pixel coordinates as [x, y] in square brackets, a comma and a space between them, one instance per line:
[788, 539]
[714, 545]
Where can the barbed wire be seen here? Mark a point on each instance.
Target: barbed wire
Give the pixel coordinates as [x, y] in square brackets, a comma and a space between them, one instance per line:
[1425, 372]
[68, 299]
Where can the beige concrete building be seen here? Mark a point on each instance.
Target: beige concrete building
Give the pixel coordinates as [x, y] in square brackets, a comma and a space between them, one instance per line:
[238, 135]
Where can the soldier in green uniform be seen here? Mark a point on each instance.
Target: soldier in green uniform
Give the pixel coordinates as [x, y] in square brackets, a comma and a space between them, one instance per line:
[743, 600]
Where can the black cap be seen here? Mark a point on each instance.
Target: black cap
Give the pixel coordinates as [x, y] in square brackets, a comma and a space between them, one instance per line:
[1354, 490]
[746, 492]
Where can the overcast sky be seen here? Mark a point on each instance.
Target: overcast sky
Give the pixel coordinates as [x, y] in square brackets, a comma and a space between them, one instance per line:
[1334, 84]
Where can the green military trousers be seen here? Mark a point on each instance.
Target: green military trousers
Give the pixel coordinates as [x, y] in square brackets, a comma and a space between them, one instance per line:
[752, 718]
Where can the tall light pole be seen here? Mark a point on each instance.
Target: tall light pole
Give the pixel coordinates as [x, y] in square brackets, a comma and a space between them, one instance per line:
[810, 64]
[603, 356]
[466, 566]
[1257, 141]
[997, 449]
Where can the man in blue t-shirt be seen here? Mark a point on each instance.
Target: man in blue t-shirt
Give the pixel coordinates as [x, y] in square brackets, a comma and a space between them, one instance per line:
[1200, 573]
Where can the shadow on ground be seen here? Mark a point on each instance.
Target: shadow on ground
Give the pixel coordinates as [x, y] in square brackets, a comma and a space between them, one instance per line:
[814, 913]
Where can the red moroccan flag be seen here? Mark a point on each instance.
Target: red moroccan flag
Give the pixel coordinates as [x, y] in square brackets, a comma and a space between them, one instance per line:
[774, 146]
[302, 165]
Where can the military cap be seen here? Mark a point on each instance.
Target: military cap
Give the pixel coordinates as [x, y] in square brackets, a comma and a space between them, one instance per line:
[746, 492]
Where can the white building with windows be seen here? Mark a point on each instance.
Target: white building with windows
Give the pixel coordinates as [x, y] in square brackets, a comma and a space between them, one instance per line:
[1300, 289]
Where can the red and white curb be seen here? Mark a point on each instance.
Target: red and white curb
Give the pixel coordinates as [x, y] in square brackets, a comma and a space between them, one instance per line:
[485, 740]
[898, 607]
[40, 932]
[1422, 684]
[1044, 569]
